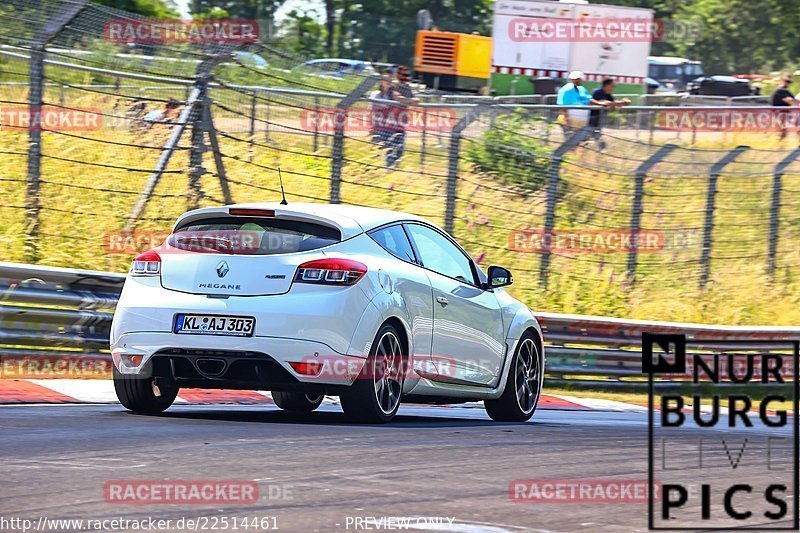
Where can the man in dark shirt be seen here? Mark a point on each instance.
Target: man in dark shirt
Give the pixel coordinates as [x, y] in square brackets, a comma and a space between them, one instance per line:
[783, 98]
[604, 96]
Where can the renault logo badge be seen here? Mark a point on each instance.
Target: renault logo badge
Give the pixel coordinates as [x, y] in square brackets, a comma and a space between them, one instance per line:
[222, 269]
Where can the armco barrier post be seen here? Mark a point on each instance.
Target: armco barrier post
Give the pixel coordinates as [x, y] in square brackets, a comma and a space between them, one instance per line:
[775, 210]
[708, 227]
[454, 156]
[553, 179]
[340, 114]
[638, 203]
[44, 35]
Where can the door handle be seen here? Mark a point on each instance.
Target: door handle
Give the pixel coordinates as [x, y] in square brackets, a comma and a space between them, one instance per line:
[442, 300]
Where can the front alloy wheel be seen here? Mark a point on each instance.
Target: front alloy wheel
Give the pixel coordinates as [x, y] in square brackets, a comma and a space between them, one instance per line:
[375, 396]
[523, 386]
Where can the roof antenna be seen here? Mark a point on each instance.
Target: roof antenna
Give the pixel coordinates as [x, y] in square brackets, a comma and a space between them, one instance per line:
[283, 194]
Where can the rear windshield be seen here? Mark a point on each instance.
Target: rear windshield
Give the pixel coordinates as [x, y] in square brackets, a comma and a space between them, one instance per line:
[252, 236]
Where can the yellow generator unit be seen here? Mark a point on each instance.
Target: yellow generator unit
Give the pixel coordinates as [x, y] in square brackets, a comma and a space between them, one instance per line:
[453, 61]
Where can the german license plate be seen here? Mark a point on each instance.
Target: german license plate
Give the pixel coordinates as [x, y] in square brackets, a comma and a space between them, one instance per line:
[232, 326]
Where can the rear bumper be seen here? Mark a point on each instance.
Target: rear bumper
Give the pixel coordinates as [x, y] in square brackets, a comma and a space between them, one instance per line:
[233, 362]
[327, 316]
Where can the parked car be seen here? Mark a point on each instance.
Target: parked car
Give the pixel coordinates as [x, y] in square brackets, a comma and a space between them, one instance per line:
[721, 86]
[336, 67]
[250, 59]
[308, 300]
[654, 87]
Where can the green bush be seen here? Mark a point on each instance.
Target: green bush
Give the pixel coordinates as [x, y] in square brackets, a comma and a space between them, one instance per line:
[514, 151]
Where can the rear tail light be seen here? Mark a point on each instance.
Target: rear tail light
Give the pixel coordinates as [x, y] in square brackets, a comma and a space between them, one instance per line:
[306, 369]
[331, 272]
[146, 264]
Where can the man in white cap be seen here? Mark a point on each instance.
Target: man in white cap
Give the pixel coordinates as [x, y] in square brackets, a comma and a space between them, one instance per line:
[573, 93]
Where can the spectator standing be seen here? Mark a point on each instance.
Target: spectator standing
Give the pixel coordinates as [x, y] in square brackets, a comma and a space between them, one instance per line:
[782, 97]
[380, 109]
[573, 93]
[396, 129]
[604, 96]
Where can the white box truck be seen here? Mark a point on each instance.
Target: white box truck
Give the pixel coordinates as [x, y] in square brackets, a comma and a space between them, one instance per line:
[534, 39]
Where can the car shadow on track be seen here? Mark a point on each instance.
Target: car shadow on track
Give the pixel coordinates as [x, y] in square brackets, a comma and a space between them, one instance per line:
[333, 418]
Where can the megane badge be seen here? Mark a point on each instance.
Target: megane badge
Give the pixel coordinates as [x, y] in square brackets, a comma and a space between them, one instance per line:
[222, 269]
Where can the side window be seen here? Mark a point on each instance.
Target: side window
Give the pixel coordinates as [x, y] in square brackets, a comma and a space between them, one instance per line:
[440, 255]
[394, 240]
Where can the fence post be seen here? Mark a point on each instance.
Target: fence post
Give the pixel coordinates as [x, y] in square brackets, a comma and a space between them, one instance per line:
[775, 209]
[198, 146]
[423, 139]
[252, 125]
[208, 125]
[268, 117]
[192, 112]
[49, 30]
[340, 114]
[453, 158]
[316, 124]
[708, 228]
[163, 160]
[553, 179]
[638, 202]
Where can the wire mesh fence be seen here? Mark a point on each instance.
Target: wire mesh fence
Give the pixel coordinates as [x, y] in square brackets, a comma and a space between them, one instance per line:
[639, 211]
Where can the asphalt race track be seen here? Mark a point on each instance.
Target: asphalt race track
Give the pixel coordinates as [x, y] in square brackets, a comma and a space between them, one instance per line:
[324, 471]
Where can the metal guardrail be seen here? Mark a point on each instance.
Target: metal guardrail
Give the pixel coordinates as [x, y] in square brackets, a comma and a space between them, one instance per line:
[57, 312]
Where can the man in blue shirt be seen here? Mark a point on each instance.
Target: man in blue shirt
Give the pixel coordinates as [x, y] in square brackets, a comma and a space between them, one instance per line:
[573, 93]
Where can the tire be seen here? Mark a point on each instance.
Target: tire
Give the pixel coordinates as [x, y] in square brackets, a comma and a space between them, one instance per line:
[138, 394]
[296, 402]
[375, 396]
[523, 385]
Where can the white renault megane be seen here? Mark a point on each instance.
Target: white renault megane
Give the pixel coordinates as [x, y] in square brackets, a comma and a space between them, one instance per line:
[307, 300]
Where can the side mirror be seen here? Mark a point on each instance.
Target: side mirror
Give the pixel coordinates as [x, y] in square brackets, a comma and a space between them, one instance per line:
[498, 277]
